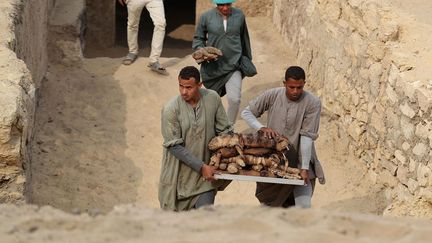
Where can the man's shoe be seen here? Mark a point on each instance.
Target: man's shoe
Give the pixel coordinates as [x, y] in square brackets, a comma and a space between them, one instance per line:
[156, 67]
[129, 59]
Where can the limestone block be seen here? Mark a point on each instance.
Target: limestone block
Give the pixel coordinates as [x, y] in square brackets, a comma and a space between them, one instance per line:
[424, 99]
[403, 193]
[364, 73]
[402, 174]
[411, 89]
[430, 174]
[399, 155]
[375, 72]
[372, 139]
[430, 143]
[407, 128]
[367, 156]
[390, 166]
[423, 174]
[355, 130]
[377, 122]
[352, 15]
[394, 75]
[392, 119]
[355, 3]
[407, 110]
[10, 140]
[345, 101]
[343, 24]
[389, 142]
[356, 46]
[332, 10]
[402, 60]
[420, 149]
[376, 50]
[413, 165]
[405, 146]
[426, 193]
[389, 194]
[371, 17]
[372, 176]
[424, 129]
[355, 97]
[362, 116]
[389, 30]
[378, 156]
[391, 95]
[412, 185]
[387, 179]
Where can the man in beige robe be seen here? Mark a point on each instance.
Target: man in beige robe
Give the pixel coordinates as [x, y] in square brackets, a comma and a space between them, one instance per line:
[294, 113]
[189, 121]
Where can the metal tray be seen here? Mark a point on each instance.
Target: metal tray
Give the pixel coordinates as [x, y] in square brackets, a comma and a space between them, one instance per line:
[259, 179]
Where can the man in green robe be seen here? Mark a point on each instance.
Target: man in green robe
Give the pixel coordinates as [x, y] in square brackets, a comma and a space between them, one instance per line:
[224, 28]
[189, 121]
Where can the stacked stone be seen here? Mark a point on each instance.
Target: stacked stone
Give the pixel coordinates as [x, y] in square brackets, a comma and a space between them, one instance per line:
[373, 81]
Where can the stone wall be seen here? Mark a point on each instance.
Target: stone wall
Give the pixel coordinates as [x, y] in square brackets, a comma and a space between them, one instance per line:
[353, 55]
[24, 61]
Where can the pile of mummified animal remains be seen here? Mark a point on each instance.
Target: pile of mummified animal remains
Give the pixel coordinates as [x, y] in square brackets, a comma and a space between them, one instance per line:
[236, 152]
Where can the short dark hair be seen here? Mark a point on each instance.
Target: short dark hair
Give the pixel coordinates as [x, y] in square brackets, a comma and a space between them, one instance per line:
[190, 72]
[295, 72]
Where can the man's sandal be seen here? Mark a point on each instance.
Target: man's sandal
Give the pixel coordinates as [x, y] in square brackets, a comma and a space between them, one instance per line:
[129, 59]
[156, 67]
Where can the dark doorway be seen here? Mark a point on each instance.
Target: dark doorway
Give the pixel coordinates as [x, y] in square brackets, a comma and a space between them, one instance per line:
[180, 18]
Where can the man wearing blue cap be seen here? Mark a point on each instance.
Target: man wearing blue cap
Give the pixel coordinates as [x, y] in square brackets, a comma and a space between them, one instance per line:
[224, 28]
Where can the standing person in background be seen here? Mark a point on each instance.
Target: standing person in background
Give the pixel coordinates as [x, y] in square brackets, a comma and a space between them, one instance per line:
[189, 121]
[295, 114]
[224, 28]
[157, 14]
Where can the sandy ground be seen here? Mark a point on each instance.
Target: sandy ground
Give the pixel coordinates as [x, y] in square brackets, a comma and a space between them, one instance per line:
[217, 224]
[98, 145]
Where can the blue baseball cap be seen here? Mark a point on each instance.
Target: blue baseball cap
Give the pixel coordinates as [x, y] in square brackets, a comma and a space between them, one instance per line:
[223, 1]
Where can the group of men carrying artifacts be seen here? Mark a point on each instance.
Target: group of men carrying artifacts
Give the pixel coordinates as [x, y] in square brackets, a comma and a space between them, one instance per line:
[190, 120]
[193, 118]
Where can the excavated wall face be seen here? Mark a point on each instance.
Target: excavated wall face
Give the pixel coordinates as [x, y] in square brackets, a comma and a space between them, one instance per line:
[100, 18]
[23, 63]
[349, 50]
[249, 7]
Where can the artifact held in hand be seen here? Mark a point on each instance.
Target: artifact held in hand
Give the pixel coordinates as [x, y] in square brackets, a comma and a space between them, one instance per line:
[237, 152]
[207, 53]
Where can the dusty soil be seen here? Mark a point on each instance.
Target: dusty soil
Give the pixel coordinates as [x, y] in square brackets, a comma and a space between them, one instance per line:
[217, 224]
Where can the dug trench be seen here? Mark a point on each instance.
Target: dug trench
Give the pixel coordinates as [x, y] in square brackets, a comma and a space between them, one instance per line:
[98, 142]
